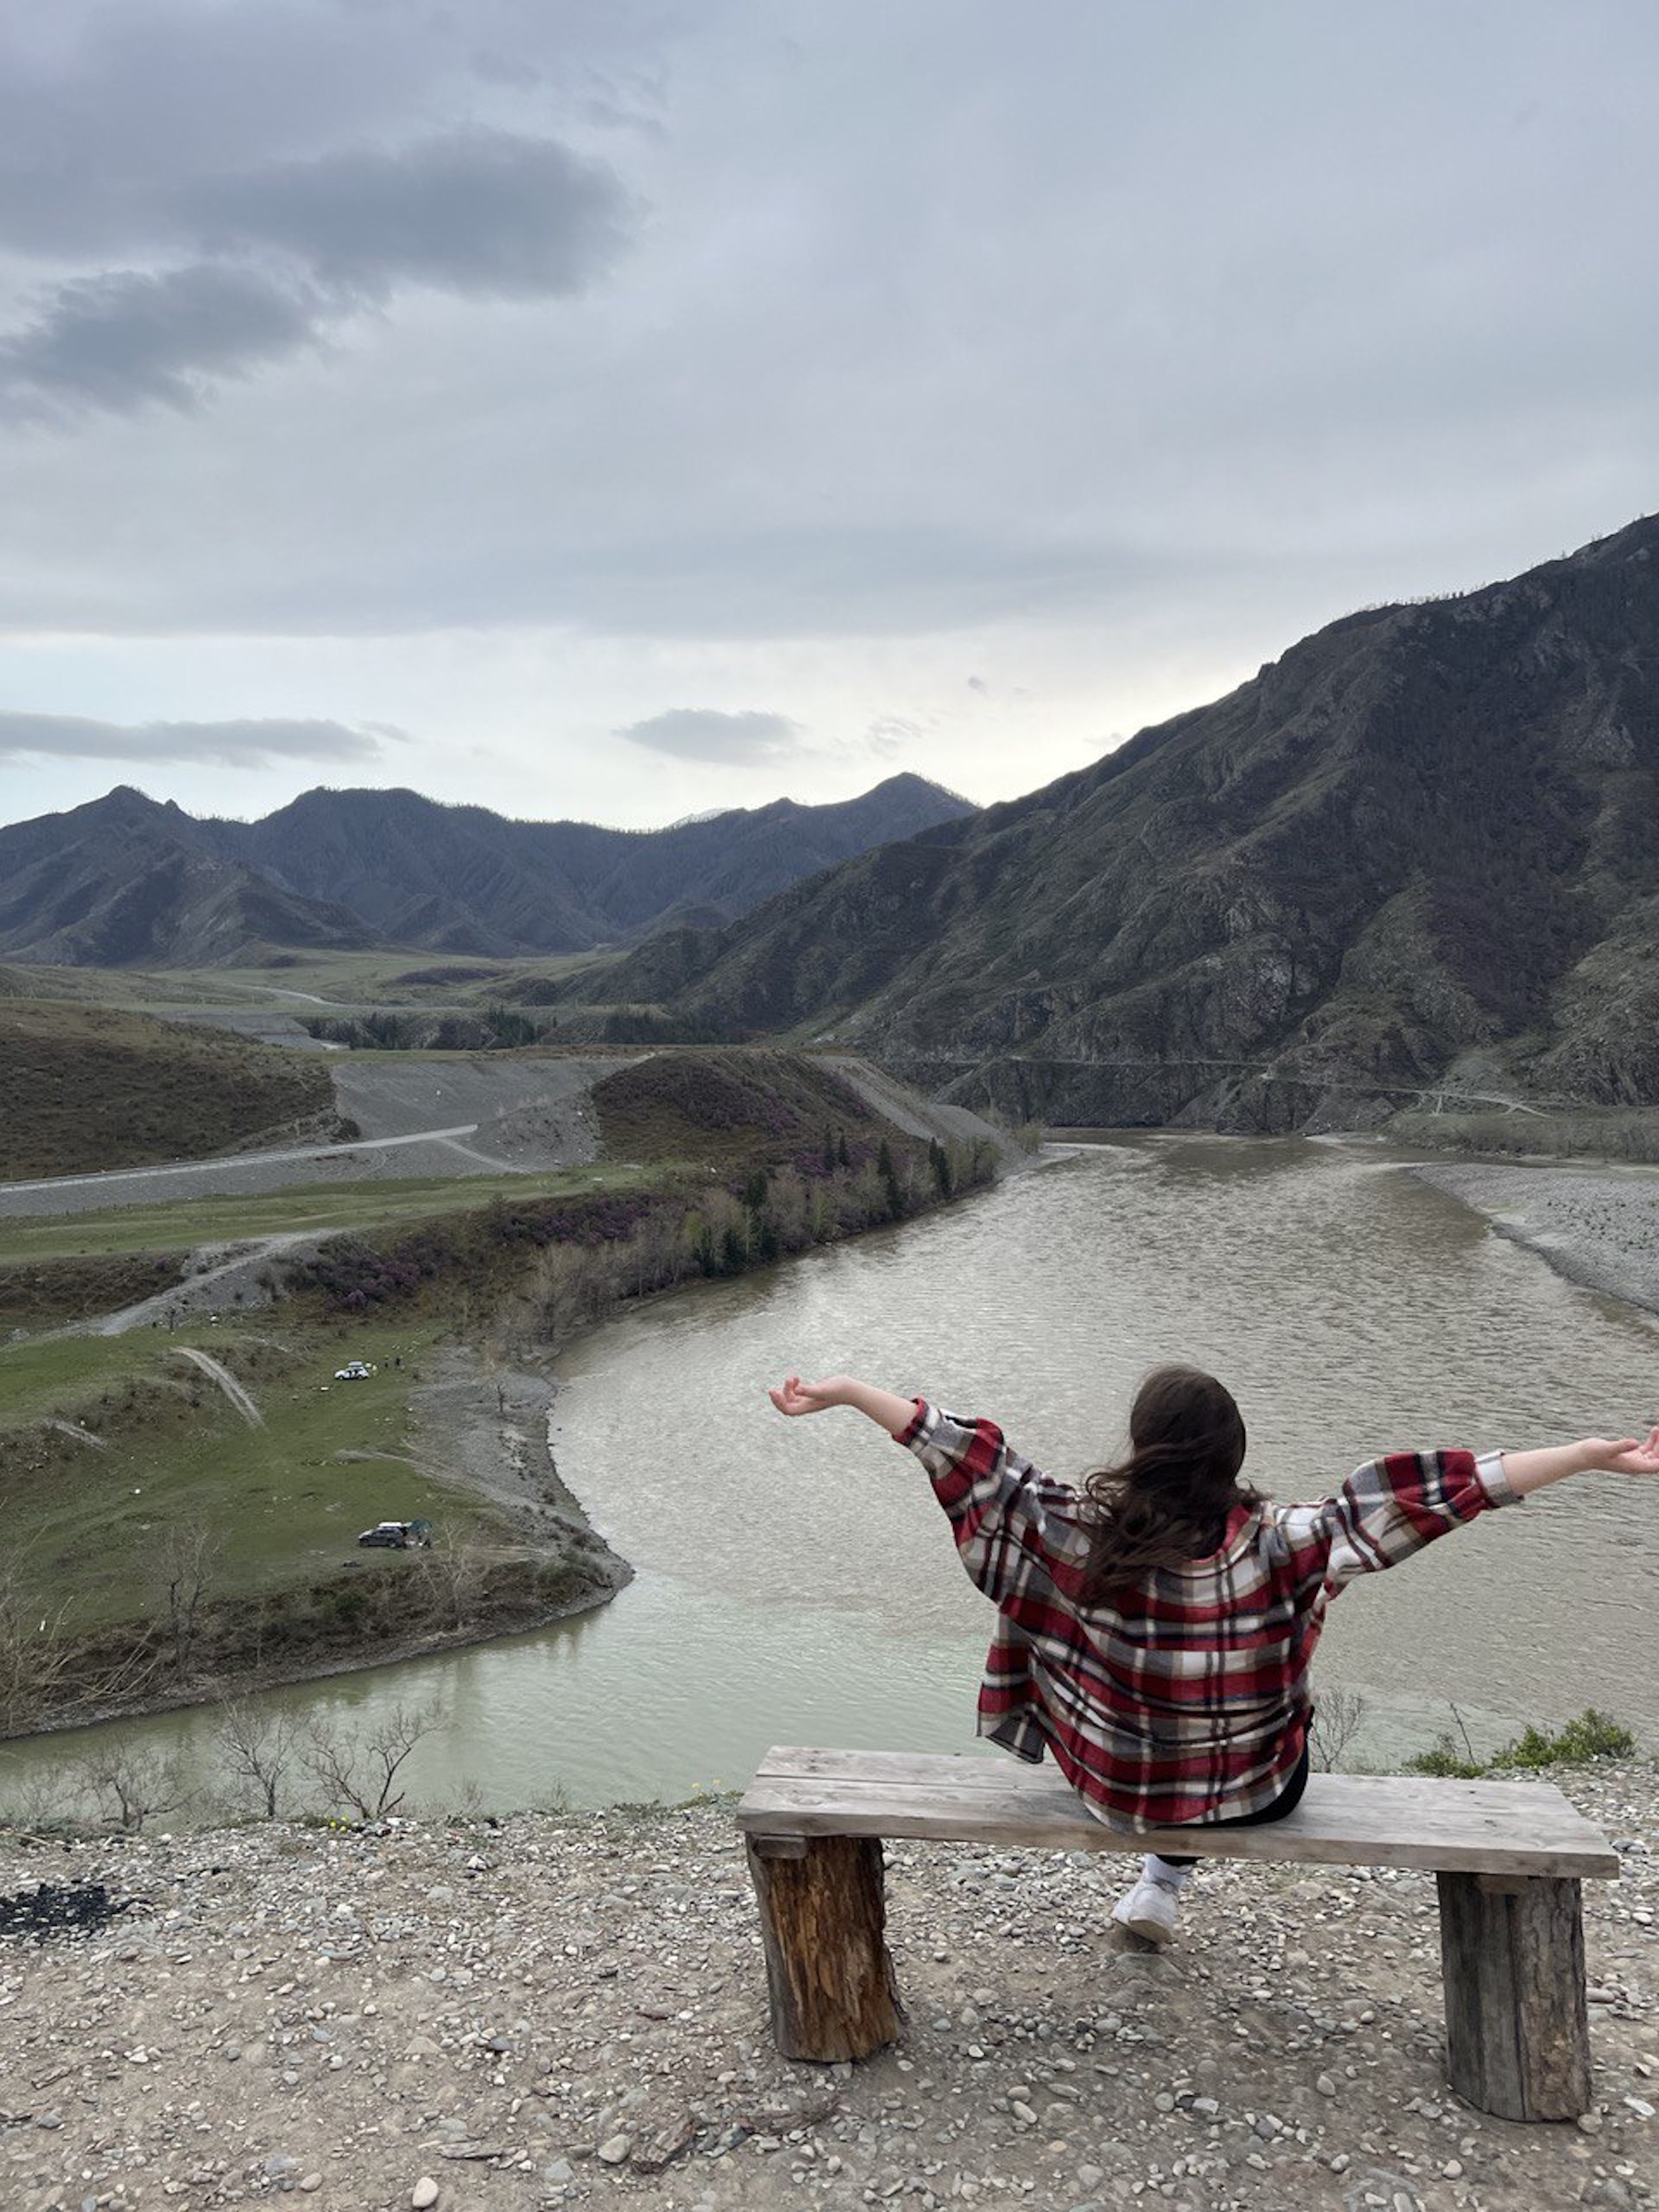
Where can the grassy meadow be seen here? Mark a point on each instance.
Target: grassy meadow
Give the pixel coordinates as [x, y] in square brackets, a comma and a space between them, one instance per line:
[132, 987]
[381, 977]
[285, 1501]
[313, 1209]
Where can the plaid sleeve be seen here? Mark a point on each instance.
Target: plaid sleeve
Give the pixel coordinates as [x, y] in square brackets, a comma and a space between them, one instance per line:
[1002, 1512]
[1392, 1507]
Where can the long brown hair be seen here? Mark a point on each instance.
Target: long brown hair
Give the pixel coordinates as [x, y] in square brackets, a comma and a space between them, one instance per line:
[1164, 1504]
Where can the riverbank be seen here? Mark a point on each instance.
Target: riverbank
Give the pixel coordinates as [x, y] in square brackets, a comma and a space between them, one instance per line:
[1598, 1228]
[722, 1162]
[571, 2009]
[467, 1444]
[484, 1428]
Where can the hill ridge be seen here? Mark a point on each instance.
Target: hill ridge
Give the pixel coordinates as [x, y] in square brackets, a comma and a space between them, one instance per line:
[126, 880]
[1420, 834]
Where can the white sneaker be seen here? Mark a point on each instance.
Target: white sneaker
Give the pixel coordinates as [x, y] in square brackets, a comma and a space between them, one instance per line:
[1149, 1910]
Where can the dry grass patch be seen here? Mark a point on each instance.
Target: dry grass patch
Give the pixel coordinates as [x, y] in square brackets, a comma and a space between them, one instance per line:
[84, 1089]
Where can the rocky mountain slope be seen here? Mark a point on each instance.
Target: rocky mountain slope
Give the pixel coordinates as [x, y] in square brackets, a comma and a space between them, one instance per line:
[124, 880]
[1417, 847]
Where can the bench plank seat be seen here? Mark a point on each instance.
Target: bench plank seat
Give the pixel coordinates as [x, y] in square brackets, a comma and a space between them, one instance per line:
[1509, 1857]
[1345, 1820]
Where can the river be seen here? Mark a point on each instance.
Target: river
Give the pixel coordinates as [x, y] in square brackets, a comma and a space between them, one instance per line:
[796, 1583]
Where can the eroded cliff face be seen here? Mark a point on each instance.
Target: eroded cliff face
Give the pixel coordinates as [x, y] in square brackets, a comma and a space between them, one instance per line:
[1423, 834]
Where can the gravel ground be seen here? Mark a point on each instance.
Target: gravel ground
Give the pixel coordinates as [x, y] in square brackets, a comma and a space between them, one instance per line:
[1597, 1227]
[566, 2009]
[523, 1115]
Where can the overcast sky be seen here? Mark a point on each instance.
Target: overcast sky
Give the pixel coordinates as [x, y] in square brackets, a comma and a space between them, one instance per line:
[619, 409]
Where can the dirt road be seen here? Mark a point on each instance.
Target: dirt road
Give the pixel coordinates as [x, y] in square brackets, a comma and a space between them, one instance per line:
[461, 1117]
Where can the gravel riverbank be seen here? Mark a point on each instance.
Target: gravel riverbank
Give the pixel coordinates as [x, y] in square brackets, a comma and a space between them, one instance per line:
[564, 2010]
[1599, 1227]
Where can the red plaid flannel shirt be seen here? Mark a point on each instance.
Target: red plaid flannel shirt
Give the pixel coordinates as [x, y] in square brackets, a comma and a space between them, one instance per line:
[1185, 1698]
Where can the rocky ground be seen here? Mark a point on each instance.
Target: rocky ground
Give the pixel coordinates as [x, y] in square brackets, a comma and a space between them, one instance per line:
[1598, 1226]
[571, 2010]
[484, 1427]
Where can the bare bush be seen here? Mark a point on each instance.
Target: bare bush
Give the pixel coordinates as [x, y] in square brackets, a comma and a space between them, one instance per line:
[184, 1561]
[259, 1746]
[34, 1649]
[1338, 1718]
[455, 1572]
[358, 1773]
[36, 1806]
[131, 1787]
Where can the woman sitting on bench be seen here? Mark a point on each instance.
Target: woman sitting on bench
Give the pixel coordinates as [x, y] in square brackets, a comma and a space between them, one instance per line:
[1156, 1626]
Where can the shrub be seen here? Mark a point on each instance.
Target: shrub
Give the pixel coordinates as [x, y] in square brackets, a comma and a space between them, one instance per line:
[1592, 1735]
[1444, 1759]
[1451, 1758]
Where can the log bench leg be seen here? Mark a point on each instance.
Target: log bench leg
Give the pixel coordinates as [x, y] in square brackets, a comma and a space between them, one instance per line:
[1517, 2026]
[823, 1916]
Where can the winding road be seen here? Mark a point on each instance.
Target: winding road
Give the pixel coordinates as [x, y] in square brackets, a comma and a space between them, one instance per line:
[89, 1189]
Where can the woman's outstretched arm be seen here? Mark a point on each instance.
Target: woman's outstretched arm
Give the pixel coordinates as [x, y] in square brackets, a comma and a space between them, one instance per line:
[1010, 1522]
[883, 1407]
[1526, 1471]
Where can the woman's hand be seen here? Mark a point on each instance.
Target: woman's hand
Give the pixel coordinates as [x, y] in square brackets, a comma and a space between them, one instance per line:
[1629, 1455]
[1528, 1471]
[895, 1415]
[798, 1397]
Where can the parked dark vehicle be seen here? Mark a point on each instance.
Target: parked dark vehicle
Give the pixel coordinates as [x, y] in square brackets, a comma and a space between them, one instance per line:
[398, 1535]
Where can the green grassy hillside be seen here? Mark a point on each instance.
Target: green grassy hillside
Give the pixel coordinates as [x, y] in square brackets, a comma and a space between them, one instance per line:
[126, 1461]
[116, 987]
[173, 1453]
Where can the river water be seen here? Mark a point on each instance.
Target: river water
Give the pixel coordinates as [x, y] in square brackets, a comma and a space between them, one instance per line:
[796, 1581]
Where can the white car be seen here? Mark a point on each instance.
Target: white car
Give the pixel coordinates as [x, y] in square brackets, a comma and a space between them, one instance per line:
[355, 1371]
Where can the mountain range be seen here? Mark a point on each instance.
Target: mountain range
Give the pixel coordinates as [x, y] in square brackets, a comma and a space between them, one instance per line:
[1419, 849]
[126, 881]
[1416, 852]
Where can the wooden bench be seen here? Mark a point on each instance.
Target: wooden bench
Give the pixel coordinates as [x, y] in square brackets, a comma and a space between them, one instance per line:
[1509, 1858]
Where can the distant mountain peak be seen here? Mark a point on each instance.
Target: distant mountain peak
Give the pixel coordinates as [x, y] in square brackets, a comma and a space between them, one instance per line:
[363, 865]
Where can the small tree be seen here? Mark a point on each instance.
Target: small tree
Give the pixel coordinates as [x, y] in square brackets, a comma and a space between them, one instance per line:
[939, 1161]
[892, 1191]
[1338, 1717]
[34, 1650]
[360, 1772]
[654, 1255]
[185, 1560]
[259, 1745]
[455, 1570]
[132, 1786]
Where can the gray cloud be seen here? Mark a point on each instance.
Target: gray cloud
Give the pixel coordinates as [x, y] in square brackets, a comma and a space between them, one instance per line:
[128, 339]
[480, 213]
[285, 248]
[253, 744]
[890, 735]
[1105, 360]
[703, 733]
